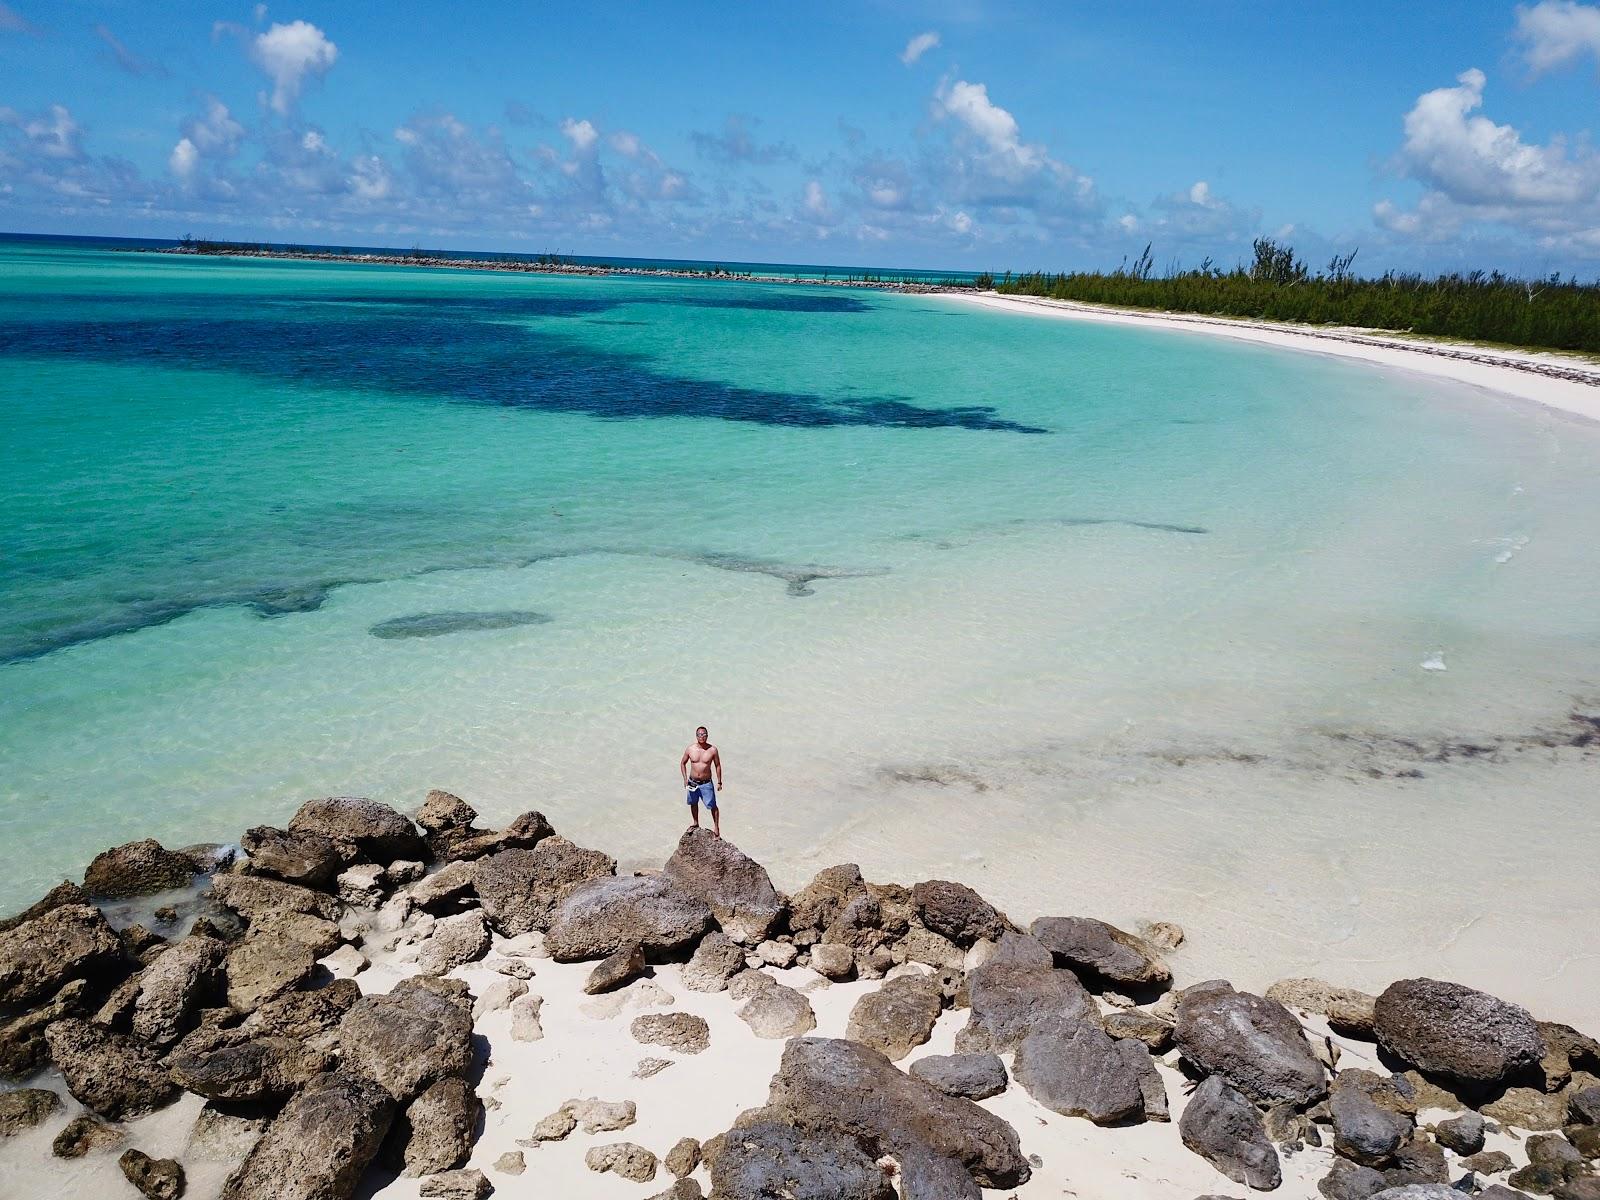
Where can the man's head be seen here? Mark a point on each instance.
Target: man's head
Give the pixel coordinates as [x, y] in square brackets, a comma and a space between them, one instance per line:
[702, 735]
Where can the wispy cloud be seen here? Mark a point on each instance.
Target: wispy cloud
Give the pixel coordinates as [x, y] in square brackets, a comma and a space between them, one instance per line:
[1555, 33]
[125, 58]
[737, 143]
[918, 46]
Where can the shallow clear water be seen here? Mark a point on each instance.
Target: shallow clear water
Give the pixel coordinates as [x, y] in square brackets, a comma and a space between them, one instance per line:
[1126, 621]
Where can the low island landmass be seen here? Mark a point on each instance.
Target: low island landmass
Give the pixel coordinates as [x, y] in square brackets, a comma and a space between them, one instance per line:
[367, 1003]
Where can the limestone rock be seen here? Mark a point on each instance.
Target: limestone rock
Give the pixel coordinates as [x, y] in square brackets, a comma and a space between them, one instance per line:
[1528, 1108]
[456, 941]
[922, 945]
[767, 1159]
[843, 1085]
[625, 1159]
[898, 1017]
[112, 1075]
[1101, 951]
[39, 957]
[955, 911]
[527, 831]
[64, 893]
[1252, 1042]
[525, 1024]
[174, 987]
[520, 888]
[497, 996]
[734, 886]
[1077, 1070]
[830, 961]
[139, 868]
[1463, 1134]
[157, 1178]
[254, 897]
[84, 1135]
[718, 959]
[598, 917]
[682, 1158]
[1142, 1026]
[1008, 998]
[1223, 1127]
[815, 908]
[412, 1037]
[651, 1066]
[512, 1162]
[304, 858]
[375, 832]
[775, 1010]
[25, 1108]
[970, 1076]
[235, 1065]
[1451, 1030]
[263, 966]
[683, 1032]
[681, 1189]
[616, 970]
[1348, 1011]
[1488, 1162]
[362, 885]
[443, 813]
[435, 1133]
[309, 1016]
[449, 885]
[225, 1135]
[777, 954]
[456, 1185]
[319, 1146]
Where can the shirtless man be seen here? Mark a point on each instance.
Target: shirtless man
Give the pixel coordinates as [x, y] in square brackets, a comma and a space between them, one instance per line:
[696, 765]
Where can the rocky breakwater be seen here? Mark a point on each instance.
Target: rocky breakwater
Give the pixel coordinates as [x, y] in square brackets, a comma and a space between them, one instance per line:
[256, 1001]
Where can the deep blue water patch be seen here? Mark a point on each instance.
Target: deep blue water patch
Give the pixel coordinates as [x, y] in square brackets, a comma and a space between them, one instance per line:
[462, 350]
[438, 624]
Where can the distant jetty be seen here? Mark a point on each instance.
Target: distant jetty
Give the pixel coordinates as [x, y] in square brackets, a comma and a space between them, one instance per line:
[370, 1003]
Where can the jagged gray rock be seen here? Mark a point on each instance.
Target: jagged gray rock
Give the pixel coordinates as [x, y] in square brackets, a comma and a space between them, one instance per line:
[172, 989]
[412, 1037]
[319, 1146]
[443, 813]
[306, 858]
[456, 941]
[1452, 1030]
[767, 1159]
[435, 1133]
[225, 1135]
[112, 1075]
[1075, 1069]
[1363, 1132]
[1008, 998]
[772, 1009]
[1093, 947]
[254, 897]
[363, 829]
[1254, 1043]
[1224, 1128]
[456, 1185]
[717, 959]
[815, 907]
[527, 831]
[955, 911]
[616, 969]
[309, 1016]
[734, 886]
[64, 893]
[898, 1017]
[831, 961]
[683, 1157]
[598, 917]
[1463, 1134]
[826, 1083]
[139, 868]
[970, 1076]
[265, 965]
[39, 957]
[627, 1159]
[451, 884]
[520, 888]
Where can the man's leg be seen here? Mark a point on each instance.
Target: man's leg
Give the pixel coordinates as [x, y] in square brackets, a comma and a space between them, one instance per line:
[694, 814]
[716, 820]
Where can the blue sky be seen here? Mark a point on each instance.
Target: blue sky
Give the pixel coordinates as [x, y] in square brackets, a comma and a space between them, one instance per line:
[965, 133]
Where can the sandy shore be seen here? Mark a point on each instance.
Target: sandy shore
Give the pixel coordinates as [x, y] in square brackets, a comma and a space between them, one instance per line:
[1564, 383]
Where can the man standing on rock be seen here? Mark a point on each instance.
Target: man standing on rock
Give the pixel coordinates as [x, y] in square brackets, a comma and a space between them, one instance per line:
[696, 766]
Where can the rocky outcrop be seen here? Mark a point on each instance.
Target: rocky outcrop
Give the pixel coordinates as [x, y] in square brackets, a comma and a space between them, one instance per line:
[1451, 1030]
[830, 961]
[734, 886]
[771, 1009]
[1224, 1128]
[766, 1159]
[970, 1076]
[364, 830]
[815, 908]
[139, 868]
[1077, 1070]
[455, 941]
[305, 858]
[955, 911]
[436, 1132]
[319, 1146]
[264, 966]
[1100, 951]
[311, 1016]
[236, 1065]
[172, 989]
[39, 957]
[682, 1158]
[717, 959]
[526, 831]
[600, 916]
[1253, 1043]
[256, 897]
[452, 884]
[829, 1084]
[112, 1075]
[412, 1037]
[456, 1185]
[898, 1017]
[1348, 1011]
[1008, 998]
[64, 893]
[519, 889]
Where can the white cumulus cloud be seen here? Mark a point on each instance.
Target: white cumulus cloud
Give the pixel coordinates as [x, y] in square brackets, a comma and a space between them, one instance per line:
[184, 158]
[1554, 33]
[918, 46]
[581, 134]
[969, 104]
[816, 200]
[289, 54]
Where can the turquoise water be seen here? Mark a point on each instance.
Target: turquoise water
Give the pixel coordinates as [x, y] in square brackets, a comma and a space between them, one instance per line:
[952, 588]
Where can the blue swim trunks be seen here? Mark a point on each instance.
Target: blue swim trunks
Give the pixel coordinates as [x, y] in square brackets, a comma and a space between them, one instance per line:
[702, 793]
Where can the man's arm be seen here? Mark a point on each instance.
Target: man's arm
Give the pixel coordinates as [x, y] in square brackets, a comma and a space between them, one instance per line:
[716, 761]
[683, 767]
